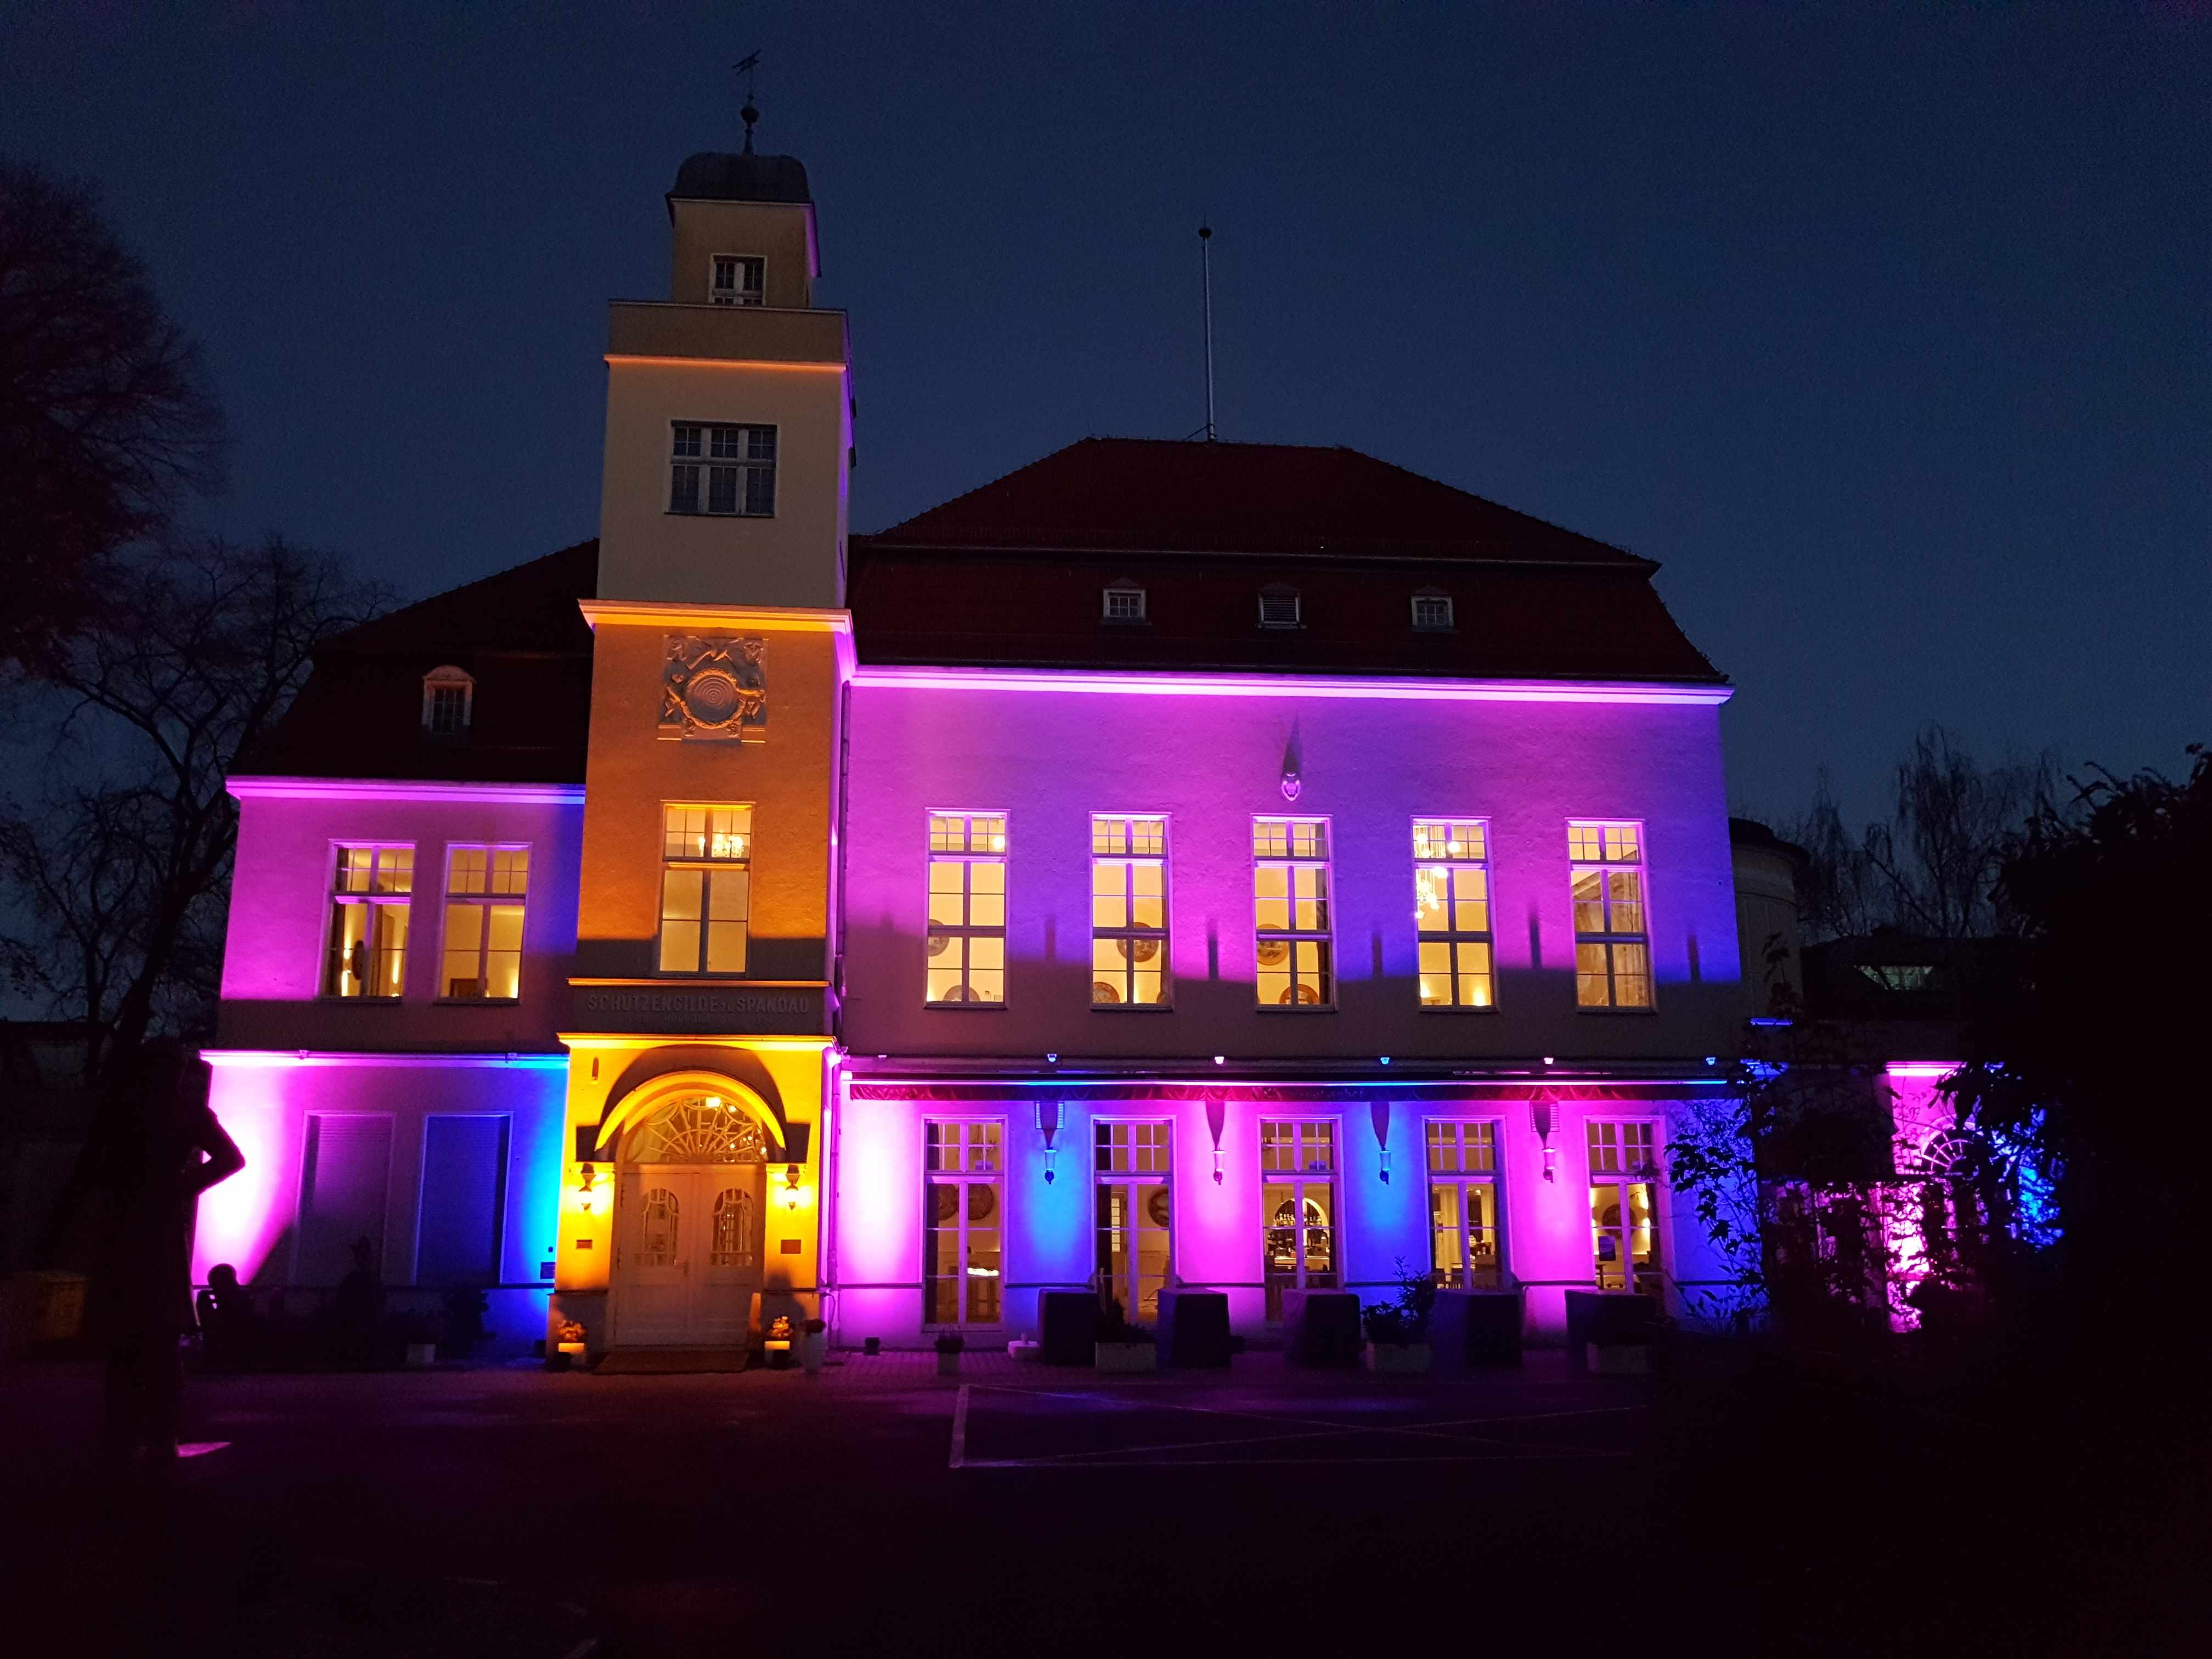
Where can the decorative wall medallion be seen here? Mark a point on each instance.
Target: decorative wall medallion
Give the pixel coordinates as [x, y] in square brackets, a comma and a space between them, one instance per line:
[715, 687]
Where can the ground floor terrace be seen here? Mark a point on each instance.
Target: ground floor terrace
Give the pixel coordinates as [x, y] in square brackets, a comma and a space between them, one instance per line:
[1718, 1507]
[958, 1200]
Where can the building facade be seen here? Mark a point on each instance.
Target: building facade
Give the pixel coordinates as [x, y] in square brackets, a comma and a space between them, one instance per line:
[1238, 867]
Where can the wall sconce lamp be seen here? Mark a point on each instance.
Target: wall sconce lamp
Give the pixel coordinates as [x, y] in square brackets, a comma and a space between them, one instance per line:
[1217, 1166]
[1048, 1122]
[1541, 1108]
[1386, 1166]
[587, 1198]
[791, 1186]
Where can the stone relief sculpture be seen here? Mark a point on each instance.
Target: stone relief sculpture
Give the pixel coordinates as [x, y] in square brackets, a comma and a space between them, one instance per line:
[715, 687]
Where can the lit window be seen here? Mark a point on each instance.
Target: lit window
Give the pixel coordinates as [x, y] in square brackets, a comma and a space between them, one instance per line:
[706, 888]
[1129, 912]
[485, 891]
[1134, 1215]
[1613, 950]
[1290, 912]
[1451, 912]
[967, 908]
[1124, 602]
[1432, 611]
[1279, 607]
[1625, 1177]
[1463, 1205]
[370, 892]
[962, 1231]
[1298, 1209]
[722, 470]
[447, 694]
[737, 281]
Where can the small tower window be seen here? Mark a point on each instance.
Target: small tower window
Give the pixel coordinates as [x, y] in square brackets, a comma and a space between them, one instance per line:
[1432, 612]
[448, 697]
[737, 281]
[1279, 607]
[1123, 602]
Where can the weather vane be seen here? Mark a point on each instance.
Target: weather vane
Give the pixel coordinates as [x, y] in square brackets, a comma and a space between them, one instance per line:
[745, 67]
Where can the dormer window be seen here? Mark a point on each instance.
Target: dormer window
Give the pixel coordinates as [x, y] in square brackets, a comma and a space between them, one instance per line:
[1432, 611]
[1279, 607]
[736, 280]
[448, 697]
[1123, 602]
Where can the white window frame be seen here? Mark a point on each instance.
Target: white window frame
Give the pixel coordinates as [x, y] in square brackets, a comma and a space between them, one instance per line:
[1160, 1158]
[1451, 855]
[991, 1172]
[484, 902]
[1613, 858]
[448, 679]
[1130, 594]
[1298, 1178]
[1278, 592]
[336, 896]
[1650, 1173]
[1124, 937]
[954, 835]
[741, 295]
[1450, 1146]
[724, 853]
[1319, 941]
[1442, 624]
[704, 455]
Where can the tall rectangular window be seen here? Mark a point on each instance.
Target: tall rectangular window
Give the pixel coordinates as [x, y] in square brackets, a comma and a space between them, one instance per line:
[485, 891]
[1298, 1206]
[722, 470]
[1451, 911]
[1129, 912]
[706, 888]
[1464, 1205]
[1624, 1173]
[1290, 912]
[738, 280]
[1613, 950]
[370, 891]
[964, 1232]
[967, 908]
[464, 1199]
[1134, 1214]
[345, 1184]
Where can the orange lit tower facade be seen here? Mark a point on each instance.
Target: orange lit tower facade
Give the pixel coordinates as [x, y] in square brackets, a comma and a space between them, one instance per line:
[701, 1004]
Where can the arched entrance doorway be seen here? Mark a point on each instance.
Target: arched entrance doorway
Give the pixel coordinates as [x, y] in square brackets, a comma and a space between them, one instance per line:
[688, 1249]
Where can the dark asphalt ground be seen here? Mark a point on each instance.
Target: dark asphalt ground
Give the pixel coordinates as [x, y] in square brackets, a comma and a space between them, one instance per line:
[1720, 1509]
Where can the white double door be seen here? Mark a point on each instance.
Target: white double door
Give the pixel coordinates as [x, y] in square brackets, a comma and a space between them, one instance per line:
[687, 1255]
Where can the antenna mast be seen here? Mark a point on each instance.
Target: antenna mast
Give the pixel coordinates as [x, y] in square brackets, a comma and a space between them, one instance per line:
[749, 114]
[1205, 279]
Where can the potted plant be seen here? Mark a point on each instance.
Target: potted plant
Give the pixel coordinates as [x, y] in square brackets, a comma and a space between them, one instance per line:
[948, 1353]
[1398, 1331]
[1118, 1345]
[568, 1345]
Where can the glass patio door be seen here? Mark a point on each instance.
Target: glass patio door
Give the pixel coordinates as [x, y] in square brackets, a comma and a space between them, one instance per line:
[1134, 1214]
[1297, 1201]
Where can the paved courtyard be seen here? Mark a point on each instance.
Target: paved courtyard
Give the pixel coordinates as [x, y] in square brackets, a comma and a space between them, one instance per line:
[880, 1508]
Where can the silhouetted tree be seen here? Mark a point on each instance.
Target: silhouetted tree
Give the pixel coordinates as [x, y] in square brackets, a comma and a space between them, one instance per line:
[122, 883]
[1931, 867]
[2095, 1065]
[106, 418]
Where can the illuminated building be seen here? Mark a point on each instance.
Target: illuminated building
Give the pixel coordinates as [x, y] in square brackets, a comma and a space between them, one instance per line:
[1238, 867]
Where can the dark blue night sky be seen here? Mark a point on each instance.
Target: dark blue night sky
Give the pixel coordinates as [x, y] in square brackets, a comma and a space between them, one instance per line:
[1882, 328]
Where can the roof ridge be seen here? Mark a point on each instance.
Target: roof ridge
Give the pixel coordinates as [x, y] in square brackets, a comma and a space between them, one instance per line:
[446, 596]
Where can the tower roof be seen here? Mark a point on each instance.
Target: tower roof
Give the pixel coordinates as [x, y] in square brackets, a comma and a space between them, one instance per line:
[713, 177]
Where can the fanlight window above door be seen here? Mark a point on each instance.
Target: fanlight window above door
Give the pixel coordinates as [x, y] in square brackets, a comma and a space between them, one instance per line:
[701, 1129]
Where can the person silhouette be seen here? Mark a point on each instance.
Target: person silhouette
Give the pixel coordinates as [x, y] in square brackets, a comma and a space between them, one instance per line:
[225, 1318]
[358, 1309]
[154, 1149]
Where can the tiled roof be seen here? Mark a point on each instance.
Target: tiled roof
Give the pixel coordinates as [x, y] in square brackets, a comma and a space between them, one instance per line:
[1011, 573]
[1138, 494]
[519, 634]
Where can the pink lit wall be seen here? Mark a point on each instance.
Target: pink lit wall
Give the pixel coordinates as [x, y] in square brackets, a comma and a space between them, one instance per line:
[1051, 758]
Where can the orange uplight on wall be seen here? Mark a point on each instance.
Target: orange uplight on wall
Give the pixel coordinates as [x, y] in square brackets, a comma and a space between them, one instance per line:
[795, 1194]
[586, 1200]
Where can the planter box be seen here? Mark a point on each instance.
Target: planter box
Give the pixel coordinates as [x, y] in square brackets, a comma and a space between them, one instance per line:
[1195, 1329]
[1126, 1356]
[1617, 1358]
[421, 1355]
[1066, 1319]
[1322, 1327]
[948, 1365]
[1405, 1358]
[1019, 1350]
[1475, 1328]
[1608, 1319]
